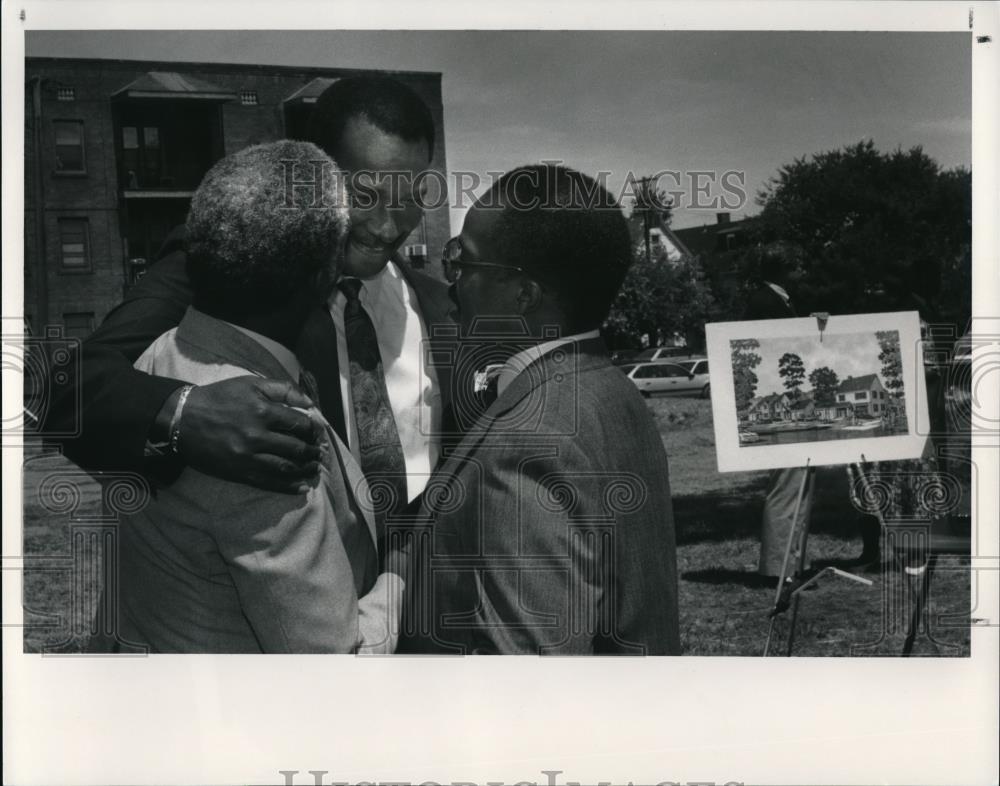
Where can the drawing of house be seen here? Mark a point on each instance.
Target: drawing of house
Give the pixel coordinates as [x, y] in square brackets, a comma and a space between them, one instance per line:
[802, 408]
[775, 406]
[865, 395]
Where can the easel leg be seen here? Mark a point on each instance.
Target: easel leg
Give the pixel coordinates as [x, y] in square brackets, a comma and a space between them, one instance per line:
[800, 569]
[793, 532]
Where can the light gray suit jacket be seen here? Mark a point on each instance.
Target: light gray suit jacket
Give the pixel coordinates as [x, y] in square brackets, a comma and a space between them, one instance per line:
[213, 566]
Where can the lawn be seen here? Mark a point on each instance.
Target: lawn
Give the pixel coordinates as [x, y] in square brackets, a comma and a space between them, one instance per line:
[723, 604]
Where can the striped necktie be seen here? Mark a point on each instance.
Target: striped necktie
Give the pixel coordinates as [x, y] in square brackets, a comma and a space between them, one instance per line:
[379, 447]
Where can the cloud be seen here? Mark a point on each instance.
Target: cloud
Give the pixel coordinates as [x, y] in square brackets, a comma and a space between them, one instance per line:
[960, 124]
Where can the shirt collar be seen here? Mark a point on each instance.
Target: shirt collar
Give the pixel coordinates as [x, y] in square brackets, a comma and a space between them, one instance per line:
[371, 288]
[281, 353]
[517, 363]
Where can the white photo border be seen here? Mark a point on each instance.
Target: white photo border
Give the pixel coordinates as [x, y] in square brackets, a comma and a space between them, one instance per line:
[244, 719]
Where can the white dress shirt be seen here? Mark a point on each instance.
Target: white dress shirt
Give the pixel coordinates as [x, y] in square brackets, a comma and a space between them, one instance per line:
[517, 363]
[414, 395]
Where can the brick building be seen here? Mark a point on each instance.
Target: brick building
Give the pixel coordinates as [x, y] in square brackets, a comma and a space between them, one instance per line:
[114, 150]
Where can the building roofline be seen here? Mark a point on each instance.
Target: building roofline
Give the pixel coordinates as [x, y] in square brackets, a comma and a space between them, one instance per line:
[175, 65]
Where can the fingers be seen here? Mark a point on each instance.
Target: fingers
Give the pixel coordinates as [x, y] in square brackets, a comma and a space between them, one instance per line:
[287, 447]
[285, 420]
[276, 473]
[283, 393]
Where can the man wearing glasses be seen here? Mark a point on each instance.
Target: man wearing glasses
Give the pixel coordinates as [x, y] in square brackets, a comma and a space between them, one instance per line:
[550, 529]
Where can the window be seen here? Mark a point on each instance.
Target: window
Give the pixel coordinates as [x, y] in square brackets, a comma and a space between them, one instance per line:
[861, 395]
[70, 157]
[646, 372]
[841, 397]
[673, 371]
[79, 324]
[74, 244]
[248, 97]
[142, 156]
[65, 94]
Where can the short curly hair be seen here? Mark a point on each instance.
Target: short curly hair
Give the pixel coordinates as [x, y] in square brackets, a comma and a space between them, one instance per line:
[262, 224]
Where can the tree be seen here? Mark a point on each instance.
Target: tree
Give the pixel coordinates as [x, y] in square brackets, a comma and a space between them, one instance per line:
[892, 361]
[863, 231]
[744, 361]
[824, 383]
[792, 371]
[660, 298]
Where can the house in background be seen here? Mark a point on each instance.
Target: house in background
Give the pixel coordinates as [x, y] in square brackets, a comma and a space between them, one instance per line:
[662, 241]
[717, 247]
[114, 149]
[775, 406]
[865, 395]
[802, 408]
[825, 411]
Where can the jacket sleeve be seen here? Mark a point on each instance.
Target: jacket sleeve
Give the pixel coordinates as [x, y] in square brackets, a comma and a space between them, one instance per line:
[292, 574]
[107, 407]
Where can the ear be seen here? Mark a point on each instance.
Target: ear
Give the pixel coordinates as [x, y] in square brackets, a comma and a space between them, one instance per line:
[529, 296]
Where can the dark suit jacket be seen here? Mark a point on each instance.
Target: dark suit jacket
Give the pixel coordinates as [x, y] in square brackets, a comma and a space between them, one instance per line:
[550, 527]
[119, 404]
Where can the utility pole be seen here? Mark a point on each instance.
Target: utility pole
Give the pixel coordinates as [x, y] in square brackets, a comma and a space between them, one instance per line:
[646, 204]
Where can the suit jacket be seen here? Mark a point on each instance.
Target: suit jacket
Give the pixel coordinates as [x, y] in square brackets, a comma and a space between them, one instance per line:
[119, 403]
[549, 529]
[212, 566]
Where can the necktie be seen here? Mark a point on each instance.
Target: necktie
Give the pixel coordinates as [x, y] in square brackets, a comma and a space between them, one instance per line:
[379, 447]
[307, 382]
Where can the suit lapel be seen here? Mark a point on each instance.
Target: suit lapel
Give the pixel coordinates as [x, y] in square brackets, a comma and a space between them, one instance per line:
[589, 354]
[354, 479]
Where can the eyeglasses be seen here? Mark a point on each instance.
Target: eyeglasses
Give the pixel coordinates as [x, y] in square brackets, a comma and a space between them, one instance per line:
[452, 263]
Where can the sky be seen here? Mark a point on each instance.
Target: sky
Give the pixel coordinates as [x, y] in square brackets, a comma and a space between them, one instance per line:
[849, 355]
[629, 102]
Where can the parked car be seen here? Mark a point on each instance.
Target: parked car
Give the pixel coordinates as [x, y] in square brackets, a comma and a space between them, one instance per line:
[696, 364]
[669, 379]
[661, 353]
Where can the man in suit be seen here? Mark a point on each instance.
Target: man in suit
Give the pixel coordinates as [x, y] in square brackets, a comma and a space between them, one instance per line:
[214, 566]
[549, 528]
[363, 346]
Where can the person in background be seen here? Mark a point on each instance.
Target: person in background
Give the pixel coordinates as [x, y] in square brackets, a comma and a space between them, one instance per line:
[767, 298]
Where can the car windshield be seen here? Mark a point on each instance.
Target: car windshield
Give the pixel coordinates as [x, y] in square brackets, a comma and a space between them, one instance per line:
[627, 369]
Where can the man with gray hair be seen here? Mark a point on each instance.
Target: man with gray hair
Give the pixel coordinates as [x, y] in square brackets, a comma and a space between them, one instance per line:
[216, 566]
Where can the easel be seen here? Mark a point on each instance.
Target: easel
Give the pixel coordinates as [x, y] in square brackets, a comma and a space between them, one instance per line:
[789, 587]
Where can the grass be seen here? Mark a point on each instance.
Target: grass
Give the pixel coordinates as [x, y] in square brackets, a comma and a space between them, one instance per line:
[723, 603]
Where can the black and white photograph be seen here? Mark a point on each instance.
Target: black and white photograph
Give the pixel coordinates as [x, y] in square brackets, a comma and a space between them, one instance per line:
[361, 350]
